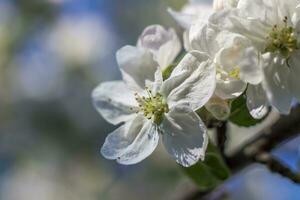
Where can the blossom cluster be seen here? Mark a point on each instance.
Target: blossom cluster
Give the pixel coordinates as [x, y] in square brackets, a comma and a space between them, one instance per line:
[234, 48]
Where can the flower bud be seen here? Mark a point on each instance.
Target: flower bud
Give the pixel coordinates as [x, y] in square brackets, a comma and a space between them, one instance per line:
[162, 43]
[218, 107]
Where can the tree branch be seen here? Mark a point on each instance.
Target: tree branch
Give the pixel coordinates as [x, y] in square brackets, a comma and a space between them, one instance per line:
[256, 149]
[276, 166]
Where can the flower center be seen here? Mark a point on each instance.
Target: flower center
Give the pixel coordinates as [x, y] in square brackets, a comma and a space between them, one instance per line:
[152, 106]
[282, 40]
[224, 75]
[235, 73]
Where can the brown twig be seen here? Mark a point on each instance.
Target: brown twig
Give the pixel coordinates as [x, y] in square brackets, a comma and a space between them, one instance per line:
[221, 136]
[285, 128]
[276, 166]
[256, 150]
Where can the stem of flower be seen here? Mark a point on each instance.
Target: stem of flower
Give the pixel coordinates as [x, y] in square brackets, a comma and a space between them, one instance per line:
[221, 138]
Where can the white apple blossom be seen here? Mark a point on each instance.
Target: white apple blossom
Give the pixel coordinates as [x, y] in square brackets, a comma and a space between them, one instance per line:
[149, 106]
[273, 28]
[235, 58]
[164, 44]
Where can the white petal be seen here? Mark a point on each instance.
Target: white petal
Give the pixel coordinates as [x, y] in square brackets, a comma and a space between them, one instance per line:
[257, 101]
[137, 66]
[192, 82]
[294, 75]
[296, 18]
[236, 21]
[267, 10]
[230, 89]
[114, 101]
[143, 145]
[250, 69]
[118, 141]
[164, 44]
[203, 38]
[190, 13]
[275, 84]
[186, 41]
[184, 136]
[153, 37]
[132, 142]
[169, 51]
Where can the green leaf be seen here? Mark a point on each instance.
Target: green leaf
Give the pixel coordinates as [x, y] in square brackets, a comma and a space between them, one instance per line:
[240, 114]
[209, 173]
[168, 70]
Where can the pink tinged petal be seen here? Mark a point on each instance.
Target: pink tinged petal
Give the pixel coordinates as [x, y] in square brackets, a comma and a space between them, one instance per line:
[169, 51]
[163, 43]
[114, 101]
[192, 82]
[184, 136]
[275, 83]
[137, 67]
[257, 101]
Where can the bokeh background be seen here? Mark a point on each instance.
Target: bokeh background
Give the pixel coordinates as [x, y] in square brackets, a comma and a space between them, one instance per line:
[52, 54]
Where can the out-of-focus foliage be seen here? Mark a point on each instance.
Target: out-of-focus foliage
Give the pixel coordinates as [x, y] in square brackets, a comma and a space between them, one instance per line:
[210, 173]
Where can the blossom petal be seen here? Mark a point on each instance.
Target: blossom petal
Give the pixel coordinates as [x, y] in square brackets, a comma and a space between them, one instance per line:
[164, 44]
[203, 38]
[114, 101]
[137, 66]
[230, 89]
[257, 101]
[143, 145]
[190, 13]
[184, 136]
[131, 142]
[169, 51]
[118, 141]
[294, 75]
[275, 83]
[267, 12]
[192, 82]
[250, 69]
[235, 21]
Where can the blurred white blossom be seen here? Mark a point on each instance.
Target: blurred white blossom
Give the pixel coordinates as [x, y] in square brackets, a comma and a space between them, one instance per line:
[80, 40]
[274, 32]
